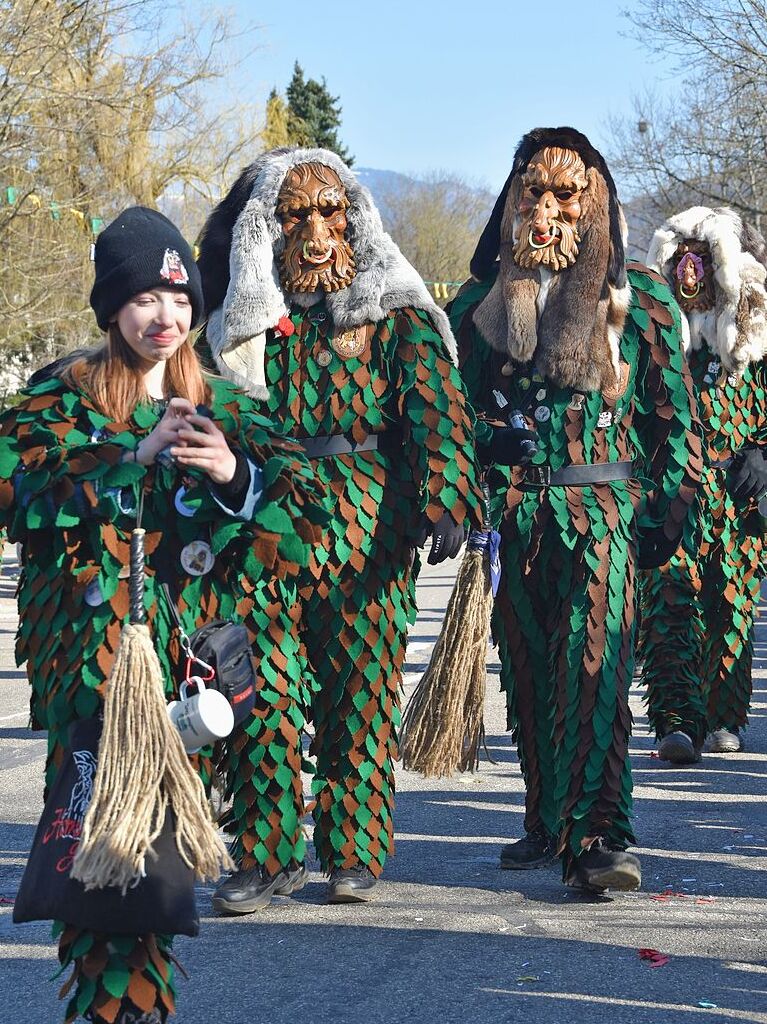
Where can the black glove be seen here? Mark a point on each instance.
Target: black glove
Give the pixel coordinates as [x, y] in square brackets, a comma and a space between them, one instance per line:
[747, 476]
[446, 537]
[655, 548]
[509, 446]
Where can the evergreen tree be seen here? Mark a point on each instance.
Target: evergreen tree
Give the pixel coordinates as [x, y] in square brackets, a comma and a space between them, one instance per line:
[317, 110]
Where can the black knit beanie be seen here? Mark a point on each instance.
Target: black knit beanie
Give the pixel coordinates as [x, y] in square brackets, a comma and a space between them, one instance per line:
[138, 251]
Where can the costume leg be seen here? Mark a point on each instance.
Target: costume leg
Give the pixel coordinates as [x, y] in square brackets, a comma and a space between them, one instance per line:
[521, 616]
[567, 623]
[109, 971]
[356, 638]
[596, 657]
[671, 643]
[262, 760]
[729, 598]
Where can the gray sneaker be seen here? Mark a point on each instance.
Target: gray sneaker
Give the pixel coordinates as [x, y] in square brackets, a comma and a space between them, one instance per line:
[133, 1016]
[723, 741]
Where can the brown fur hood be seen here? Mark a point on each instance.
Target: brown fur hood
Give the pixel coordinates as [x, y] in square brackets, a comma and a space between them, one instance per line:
[570, 321]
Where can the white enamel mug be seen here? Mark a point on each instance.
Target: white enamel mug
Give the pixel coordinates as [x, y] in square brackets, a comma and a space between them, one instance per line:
[203, 718]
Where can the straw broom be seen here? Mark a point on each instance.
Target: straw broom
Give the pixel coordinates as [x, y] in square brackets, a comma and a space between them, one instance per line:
[442, 725]
[142, 768]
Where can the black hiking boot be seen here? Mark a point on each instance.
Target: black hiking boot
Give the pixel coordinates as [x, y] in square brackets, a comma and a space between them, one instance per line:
[534, 851]
[351, 885]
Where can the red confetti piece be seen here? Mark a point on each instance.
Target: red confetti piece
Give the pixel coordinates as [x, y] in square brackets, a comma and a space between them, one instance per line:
[653, 957]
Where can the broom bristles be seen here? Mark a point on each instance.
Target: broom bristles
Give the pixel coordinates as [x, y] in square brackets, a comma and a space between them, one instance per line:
[142, 770]
[442, 724]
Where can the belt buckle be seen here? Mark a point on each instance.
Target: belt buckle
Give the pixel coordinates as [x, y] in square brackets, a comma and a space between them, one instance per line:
[539, 475]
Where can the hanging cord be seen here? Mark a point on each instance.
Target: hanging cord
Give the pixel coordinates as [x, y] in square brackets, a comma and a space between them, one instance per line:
[143, 770]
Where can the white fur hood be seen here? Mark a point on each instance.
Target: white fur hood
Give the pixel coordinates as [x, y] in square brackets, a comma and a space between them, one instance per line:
[736, 329]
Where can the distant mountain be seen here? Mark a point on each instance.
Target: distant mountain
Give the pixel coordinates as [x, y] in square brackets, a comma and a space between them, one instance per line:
[382, 182]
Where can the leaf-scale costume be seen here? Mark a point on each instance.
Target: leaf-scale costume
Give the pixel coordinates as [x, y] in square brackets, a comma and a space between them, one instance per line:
[698, 609]
[68, 498]
[592, 357]
[352, 356]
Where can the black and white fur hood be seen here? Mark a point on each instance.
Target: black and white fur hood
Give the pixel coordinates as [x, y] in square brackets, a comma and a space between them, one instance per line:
[735, 330]
[239, 251]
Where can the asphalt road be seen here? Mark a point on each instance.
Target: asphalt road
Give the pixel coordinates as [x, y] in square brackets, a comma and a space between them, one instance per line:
[451, 937]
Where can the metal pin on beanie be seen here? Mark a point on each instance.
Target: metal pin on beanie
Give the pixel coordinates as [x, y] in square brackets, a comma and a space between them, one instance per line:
[140, 250]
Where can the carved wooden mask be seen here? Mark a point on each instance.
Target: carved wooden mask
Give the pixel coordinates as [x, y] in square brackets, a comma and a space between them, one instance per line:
[693, 276]
[311, 206]
[548, 208]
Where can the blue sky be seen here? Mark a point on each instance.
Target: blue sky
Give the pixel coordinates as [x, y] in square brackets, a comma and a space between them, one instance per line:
[452, 86]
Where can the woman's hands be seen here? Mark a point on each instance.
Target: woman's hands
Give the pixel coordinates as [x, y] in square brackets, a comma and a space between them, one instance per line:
[166, 431]
[201, 445]
[193, 440]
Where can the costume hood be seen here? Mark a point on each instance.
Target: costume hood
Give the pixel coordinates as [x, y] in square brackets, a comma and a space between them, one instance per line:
[239, 251]
[571, 324]
[736, 329]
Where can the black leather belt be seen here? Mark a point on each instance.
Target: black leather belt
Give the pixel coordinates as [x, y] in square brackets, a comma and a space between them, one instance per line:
[339, 444]
[578, 476]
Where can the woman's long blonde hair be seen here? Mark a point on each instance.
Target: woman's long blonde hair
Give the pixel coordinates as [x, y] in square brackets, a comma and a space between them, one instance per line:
[111, 377]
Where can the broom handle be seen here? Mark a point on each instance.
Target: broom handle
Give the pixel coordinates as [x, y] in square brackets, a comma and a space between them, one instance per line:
[486, 510]
[136, 578]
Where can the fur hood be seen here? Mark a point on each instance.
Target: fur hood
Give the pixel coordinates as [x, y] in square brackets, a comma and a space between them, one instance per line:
[736, 329]
[570, 321]
[239, 249]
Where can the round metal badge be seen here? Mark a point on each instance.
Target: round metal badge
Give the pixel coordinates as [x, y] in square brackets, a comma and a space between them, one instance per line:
[197, 558]
[542, 413]
[349, 344]
[93, 595]
[540, 394]
[324, 357]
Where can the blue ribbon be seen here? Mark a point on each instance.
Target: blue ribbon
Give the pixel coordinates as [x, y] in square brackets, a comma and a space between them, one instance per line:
[489, 541]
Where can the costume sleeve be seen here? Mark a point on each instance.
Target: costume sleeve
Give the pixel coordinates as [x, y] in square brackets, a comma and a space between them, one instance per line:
[669, 433]
[288, 519]
[437, 422]
[59, 467]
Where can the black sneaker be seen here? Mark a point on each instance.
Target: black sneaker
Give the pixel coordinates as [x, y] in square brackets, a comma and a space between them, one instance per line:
[678, 748]
[246, 891]
[601, 868]
[534, 851]
[351, 885]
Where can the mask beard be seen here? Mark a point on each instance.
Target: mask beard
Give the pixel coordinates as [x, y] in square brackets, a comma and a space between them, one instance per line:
[557, 255]
[548, 208]
[312, 205]
[337, 273]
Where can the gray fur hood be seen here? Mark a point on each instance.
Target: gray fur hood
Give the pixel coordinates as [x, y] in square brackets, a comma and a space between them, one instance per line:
[254, 300]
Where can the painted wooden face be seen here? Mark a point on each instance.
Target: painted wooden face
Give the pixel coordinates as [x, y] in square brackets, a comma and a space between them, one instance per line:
[693, 276]
[549, 209]
[311, 206]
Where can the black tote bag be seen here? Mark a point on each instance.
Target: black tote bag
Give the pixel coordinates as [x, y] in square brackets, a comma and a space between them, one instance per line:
[163, 902]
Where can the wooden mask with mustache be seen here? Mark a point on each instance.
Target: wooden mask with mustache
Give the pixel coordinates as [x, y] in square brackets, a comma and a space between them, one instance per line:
[311, 206]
